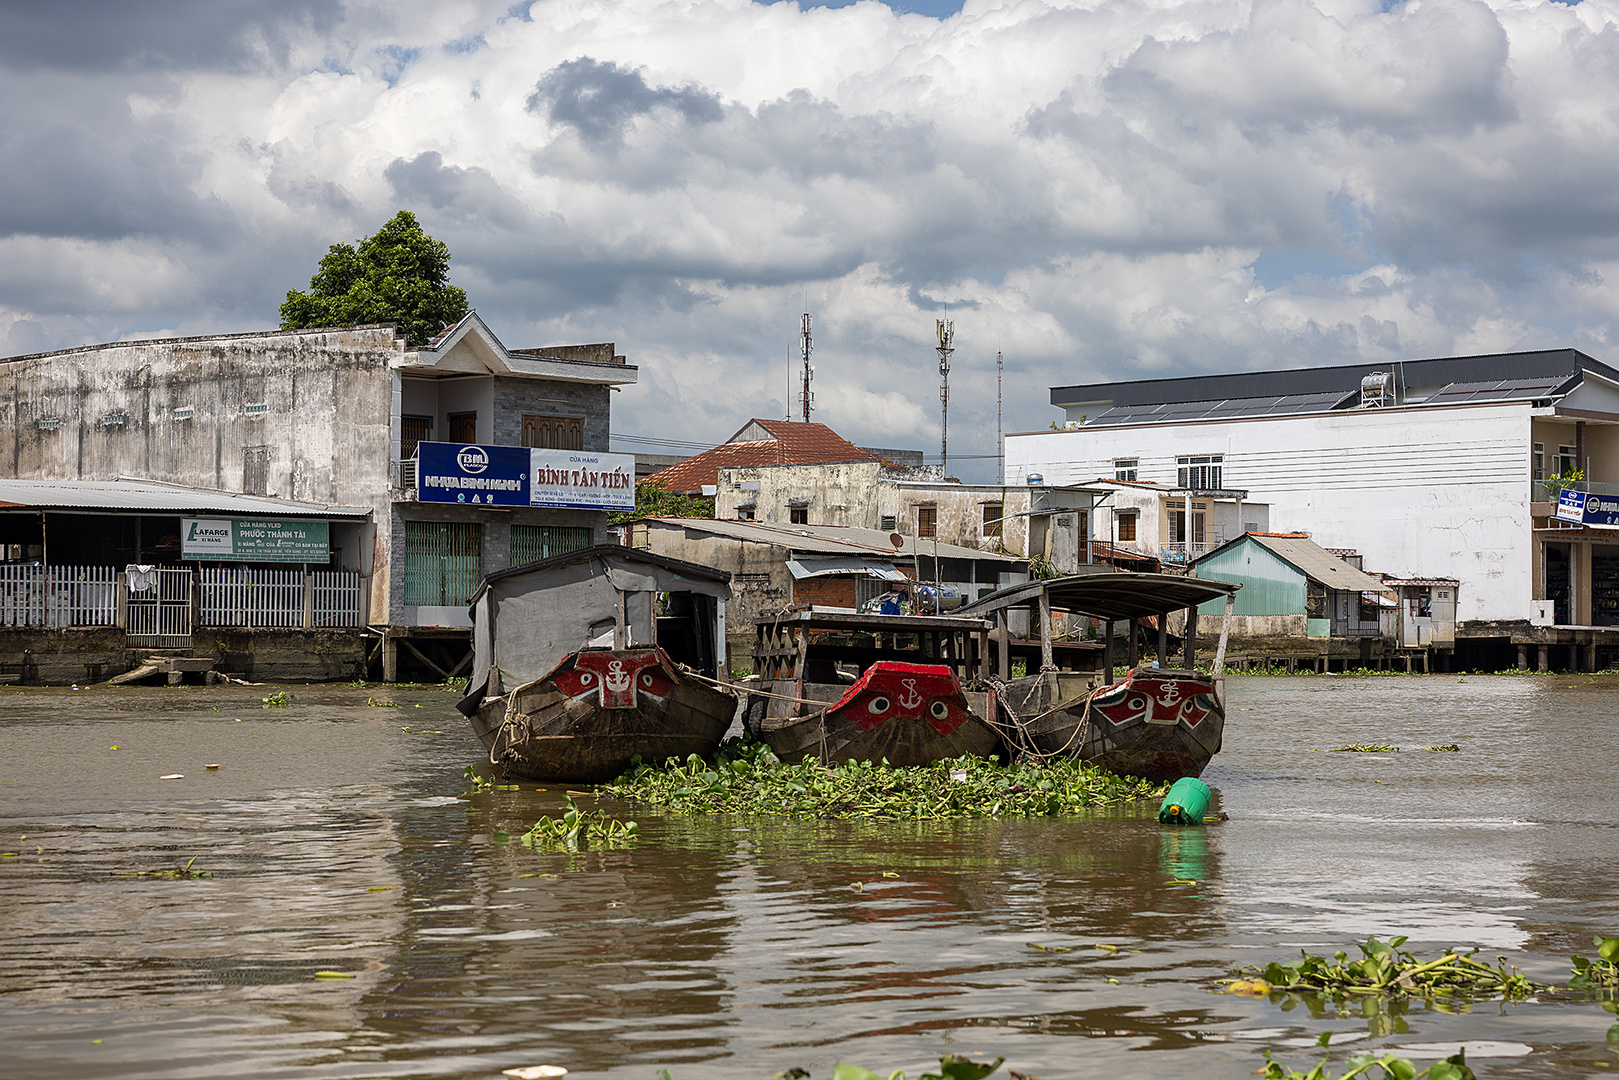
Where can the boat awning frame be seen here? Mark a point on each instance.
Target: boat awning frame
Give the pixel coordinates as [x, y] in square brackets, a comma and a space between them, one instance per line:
[1123, 595]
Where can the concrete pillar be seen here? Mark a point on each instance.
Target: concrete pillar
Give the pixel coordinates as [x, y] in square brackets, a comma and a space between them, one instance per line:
[390, 658]
[1543, 659]
[1107, 651]
[1523, 657]
[1191, 639]
[1163, 639]
[1135, 645]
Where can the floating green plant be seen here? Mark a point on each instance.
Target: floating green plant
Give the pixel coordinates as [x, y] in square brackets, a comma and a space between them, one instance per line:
[1365, 748]
[380, 703]
[182, 873]
[1599, 974]
[1443, 747]
[1386, 970]
[951, 1067]
[577, 829]
[744, 777]
[1390, 1066]
[278, 700]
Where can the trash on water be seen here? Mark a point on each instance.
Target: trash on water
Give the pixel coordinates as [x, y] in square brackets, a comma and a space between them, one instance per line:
[535, 1072]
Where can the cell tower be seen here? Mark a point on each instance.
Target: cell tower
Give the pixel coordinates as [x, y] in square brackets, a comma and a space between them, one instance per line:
[947, 338]
[1000, 440]
[807, 399]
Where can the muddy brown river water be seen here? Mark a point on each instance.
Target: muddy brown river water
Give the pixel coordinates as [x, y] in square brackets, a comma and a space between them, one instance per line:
[343, 837]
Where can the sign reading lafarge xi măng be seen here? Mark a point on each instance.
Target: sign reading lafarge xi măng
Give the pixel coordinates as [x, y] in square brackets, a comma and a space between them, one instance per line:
[255, 540]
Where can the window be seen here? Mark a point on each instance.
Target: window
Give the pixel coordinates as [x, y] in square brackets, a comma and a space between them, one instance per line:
[1540, 461]
[530, 543]
[255, 470]
[443, 562]
[927, 521]
[1199, 473]
[413, 430]
[888, 523]
[464, 427]
[798, 515]
[553, 432]
[992, 518]
[1566, 460]
[1124, 468]
[744, 513]
[1127, 527]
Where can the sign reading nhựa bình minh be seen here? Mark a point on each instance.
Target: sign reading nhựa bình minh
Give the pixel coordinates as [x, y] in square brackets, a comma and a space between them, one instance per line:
[476, 475]
[255, 540]
[1601, 510]
[582, 480]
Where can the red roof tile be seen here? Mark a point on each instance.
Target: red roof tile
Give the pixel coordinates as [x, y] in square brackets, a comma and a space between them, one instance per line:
[790, 444]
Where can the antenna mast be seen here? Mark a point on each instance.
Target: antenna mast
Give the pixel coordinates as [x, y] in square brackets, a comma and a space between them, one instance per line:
[1000, 440]
[807, 399]
[947, 338]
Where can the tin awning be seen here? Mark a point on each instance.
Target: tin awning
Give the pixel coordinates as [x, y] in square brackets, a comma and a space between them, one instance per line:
[838, 565]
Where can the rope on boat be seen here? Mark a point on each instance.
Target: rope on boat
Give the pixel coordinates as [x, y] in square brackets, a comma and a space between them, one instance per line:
[761, 693]
[1022, 726]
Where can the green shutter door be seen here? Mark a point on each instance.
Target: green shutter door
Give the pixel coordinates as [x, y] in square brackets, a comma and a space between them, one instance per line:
[443, 562]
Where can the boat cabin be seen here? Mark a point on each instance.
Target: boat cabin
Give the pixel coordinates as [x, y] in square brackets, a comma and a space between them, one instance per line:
[1109, 598]
[527, 619]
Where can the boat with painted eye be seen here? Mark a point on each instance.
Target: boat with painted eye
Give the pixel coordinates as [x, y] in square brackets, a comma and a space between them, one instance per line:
[840, 685]
[1156, 722]
[615, 653]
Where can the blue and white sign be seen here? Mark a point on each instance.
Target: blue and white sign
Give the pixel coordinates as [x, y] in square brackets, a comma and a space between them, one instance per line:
[1588, 508]
[519, 476]
[1570, 505]
[476, 475]
[1601, 510]
[582, 480]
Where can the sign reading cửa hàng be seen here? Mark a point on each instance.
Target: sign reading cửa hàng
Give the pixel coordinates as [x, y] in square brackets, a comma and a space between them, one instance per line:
[255, 540]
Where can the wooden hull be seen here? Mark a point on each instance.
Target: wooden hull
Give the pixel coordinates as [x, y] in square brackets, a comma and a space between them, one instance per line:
[1160, 724]
[587, 720]
[906, 714]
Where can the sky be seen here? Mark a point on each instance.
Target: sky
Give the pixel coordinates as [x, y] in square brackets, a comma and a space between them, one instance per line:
[1097, 190]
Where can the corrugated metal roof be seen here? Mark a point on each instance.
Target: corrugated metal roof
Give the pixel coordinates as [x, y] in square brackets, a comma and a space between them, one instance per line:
[791, 444]
[1317, 563]
[830, 539]
[1423, 581]
[154, 495]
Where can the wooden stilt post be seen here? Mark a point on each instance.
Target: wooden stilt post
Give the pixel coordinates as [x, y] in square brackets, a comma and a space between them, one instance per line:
[1107, 651]
[1191, 640]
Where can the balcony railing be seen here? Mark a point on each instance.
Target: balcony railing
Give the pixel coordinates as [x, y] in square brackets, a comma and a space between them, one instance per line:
[1181, 552]
[1546, 490]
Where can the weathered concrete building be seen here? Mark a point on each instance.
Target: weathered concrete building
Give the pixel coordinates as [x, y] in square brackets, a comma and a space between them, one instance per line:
[1151, 518]
[465, 456]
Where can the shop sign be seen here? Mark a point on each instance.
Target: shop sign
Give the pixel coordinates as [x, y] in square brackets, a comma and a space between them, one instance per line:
[579, 480]
[255, 540]
[479, 475]
[1588, 508]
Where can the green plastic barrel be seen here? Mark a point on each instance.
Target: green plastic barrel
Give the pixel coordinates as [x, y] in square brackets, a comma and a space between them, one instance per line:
[1186, 803]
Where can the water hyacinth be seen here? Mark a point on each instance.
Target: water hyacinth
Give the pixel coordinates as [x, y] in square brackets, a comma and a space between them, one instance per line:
[744, 777]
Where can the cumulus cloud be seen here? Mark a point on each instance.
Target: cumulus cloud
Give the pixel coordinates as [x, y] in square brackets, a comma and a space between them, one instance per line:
[1097, 188]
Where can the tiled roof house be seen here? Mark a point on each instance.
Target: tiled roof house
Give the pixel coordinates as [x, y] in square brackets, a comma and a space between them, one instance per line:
[760, 442]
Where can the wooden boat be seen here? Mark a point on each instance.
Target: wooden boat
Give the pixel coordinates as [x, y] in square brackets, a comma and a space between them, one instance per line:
[1156, 722]
[907, 705]
[602, 677]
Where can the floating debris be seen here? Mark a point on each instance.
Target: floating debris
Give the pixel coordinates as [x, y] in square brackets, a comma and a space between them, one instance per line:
[173, 776]
[1365, 748]
[535, 1072]
[1443, 747]
[334, 974]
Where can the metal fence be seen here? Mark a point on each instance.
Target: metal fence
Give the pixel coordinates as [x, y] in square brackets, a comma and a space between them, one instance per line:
[286, 599]
[58, 595]
[159, 608]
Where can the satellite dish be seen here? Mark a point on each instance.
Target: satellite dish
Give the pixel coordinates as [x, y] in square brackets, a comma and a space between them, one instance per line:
[897, 540]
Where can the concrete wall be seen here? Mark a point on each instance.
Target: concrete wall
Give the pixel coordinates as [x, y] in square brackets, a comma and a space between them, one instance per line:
[842, 493]
[514, 397]
[1440, 492]
[83, 656]
[959, 512]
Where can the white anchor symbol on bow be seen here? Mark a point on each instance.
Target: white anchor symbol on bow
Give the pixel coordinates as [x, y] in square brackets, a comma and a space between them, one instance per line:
[912, 699]
[617, 678]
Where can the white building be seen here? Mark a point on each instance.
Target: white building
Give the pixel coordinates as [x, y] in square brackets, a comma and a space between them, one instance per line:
[1431, 468]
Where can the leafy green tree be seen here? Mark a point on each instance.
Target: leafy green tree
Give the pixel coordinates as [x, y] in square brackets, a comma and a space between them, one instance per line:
[655, 500]
[399, 275]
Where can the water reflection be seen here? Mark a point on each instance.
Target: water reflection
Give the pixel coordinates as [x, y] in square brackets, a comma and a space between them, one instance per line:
[342, 838]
